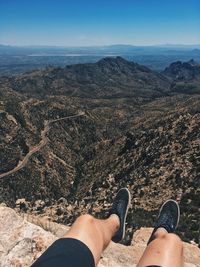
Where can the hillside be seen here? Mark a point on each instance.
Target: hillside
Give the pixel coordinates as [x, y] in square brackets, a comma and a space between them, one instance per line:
[71, 137]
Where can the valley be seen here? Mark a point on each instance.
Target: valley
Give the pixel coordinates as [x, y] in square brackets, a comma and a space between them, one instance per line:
[71, 137]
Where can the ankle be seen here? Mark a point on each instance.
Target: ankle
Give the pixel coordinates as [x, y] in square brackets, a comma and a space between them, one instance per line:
[114, 219]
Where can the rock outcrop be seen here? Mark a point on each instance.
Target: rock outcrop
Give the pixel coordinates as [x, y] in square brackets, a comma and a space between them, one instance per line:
[22, 242]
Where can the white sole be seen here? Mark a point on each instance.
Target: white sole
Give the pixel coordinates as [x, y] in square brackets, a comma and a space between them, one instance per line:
[129, 203]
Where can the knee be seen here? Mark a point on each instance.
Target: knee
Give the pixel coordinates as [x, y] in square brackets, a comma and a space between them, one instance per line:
[172, 239]
[86, 218]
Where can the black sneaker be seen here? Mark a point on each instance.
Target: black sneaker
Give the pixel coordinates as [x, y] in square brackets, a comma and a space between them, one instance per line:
[168, 217]
[120, 208]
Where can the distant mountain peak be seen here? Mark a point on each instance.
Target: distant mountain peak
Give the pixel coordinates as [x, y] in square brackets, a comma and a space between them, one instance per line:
[183, 71]
[111, 60]
[192, 62]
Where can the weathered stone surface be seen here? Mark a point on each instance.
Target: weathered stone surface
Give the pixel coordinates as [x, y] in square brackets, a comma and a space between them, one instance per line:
[21, 242]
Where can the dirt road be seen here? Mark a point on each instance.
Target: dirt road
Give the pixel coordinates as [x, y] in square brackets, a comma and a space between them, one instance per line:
[37, 147]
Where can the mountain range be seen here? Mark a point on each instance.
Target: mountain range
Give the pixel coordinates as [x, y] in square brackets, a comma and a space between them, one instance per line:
[19, 59]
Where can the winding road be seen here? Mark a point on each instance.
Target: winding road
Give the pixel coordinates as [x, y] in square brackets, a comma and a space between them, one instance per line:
[37, 147]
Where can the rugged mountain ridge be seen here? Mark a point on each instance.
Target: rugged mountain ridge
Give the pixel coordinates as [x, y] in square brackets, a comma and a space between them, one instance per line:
[109, 77]
[185, 76]
[183, 70]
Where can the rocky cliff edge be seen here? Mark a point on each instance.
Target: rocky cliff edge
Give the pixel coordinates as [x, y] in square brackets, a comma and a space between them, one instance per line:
[22, 241]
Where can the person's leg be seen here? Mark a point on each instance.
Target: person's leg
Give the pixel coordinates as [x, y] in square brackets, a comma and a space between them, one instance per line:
[88, 237]
[165, 250]
[95, 234]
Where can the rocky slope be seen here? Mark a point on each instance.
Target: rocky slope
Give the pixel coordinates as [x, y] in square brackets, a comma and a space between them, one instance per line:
[23, 242]
[86, 162]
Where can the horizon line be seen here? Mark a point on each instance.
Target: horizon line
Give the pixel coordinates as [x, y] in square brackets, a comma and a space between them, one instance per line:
[103, 45]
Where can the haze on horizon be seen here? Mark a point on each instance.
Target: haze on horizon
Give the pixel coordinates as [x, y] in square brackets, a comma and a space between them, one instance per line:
[91, 23]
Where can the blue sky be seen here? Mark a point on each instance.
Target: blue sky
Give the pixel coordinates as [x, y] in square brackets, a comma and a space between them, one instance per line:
[99, 22]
